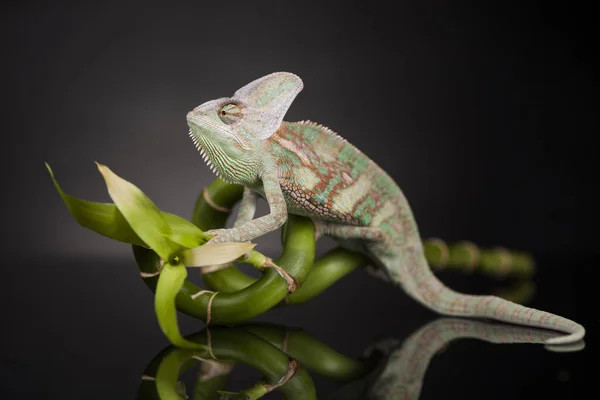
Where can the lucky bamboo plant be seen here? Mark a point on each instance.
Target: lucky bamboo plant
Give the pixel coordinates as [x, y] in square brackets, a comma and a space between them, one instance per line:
[165, 245]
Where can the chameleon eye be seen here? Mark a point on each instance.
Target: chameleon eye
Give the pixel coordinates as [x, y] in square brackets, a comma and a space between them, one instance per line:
[230, 113]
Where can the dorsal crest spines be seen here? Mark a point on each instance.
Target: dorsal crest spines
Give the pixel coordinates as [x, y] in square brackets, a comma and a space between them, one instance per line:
[321, 127]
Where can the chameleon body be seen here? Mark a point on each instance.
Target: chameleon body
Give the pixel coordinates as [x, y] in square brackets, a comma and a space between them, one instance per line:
[305, 168]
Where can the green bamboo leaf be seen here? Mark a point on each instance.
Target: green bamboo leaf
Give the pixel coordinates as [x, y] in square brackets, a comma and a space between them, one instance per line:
[106, 220]
[215, 253]
[142, 214]
[170, 280]
[184, 232]
[102, 218]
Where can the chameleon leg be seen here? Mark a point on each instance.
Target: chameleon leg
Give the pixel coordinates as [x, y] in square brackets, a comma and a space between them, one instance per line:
[245, 214]
[247, 208]
[259, 226]
[349, 231]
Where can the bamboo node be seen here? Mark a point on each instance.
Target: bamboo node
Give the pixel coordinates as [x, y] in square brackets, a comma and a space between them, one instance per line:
[198, 294]
[211, 369]
[474, 253]
[212, 203]
[209, 342]
[159, 266]
[293, 368]
[444, 252]
[292, 284]
[145, 275]
[505, 261]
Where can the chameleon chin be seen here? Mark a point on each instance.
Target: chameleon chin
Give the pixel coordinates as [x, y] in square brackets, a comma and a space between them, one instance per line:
[306, 169]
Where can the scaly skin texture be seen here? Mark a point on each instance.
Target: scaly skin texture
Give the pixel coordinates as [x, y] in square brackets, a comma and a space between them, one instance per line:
[306, 169]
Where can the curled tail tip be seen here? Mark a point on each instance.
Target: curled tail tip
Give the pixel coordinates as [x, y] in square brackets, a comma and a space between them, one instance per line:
[573, 338]
[565, 348]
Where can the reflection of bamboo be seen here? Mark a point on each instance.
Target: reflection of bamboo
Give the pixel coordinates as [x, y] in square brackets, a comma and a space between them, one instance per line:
[390, 370]
[402, 375]
[212, 377]
[227, 346]
[313, 354]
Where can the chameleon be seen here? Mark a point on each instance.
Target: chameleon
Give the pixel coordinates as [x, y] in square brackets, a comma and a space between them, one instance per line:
[306, 169]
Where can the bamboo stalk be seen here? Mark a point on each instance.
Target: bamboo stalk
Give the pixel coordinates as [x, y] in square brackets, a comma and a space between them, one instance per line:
[233, 307]
[327, 270]
[209, 214]
[465, 256]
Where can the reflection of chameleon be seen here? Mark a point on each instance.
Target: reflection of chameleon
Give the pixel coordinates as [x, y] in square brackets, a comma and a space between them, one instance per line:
[306, 169]
[401, 375]
[284, 356]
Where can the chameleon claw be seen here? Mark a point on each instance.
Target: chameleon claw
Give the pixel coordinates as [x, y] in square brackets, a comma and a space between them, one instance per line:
[219, 236]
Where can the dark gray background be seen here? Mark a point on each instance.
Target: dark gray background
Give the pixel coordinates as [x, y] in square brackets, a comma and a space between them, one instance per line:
[486, 115]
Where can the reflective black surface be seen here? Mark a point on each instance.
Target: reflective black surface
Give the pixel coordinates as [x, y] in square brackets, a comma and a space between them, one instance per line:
[82, 328]
[486, 115]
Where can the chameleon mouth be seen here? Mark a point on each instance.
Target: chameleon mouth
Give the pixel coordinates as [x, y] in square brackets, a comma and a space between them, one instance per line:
[203, 153]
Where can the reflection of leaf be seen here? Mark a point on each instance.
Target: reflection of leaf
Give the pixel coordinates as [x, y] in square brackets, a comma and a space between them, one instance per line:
[168, 385]
[181, 390]
[141, 213]
[106, 220]
[215, 254]
[170, 280]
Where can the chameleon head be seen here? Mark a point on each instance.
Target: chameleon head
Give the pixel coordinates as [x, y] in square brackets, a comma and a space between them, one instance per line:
[231, 132]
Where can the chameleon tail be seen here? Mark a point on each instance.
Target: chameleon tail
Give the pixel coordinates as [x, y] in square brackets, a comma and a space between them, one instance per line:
[417, 279]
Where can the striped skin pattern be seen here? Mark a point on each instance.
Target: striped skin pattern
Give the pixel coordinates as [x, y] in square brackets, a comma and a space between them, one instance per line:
[306, 169]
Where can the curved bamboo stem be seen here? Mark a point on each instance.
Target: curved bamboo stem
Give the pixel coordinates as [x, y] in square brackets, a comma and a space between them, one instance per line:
[210, 213]
[233, 307]
[327, 270]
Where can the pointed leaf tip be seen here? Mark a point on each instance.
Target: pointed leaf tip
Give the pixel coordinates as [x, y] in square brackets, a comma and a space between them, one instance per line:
[140, 212]
[107, 220]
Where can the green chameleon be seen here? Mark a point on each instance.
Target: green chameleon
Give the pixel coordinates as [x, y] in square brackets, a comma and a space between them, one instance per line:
[306, 169]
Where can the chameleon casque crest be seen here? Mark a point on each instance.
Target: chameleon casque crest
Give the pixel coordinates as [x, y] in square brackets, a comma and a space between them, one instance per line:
[306, 169]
